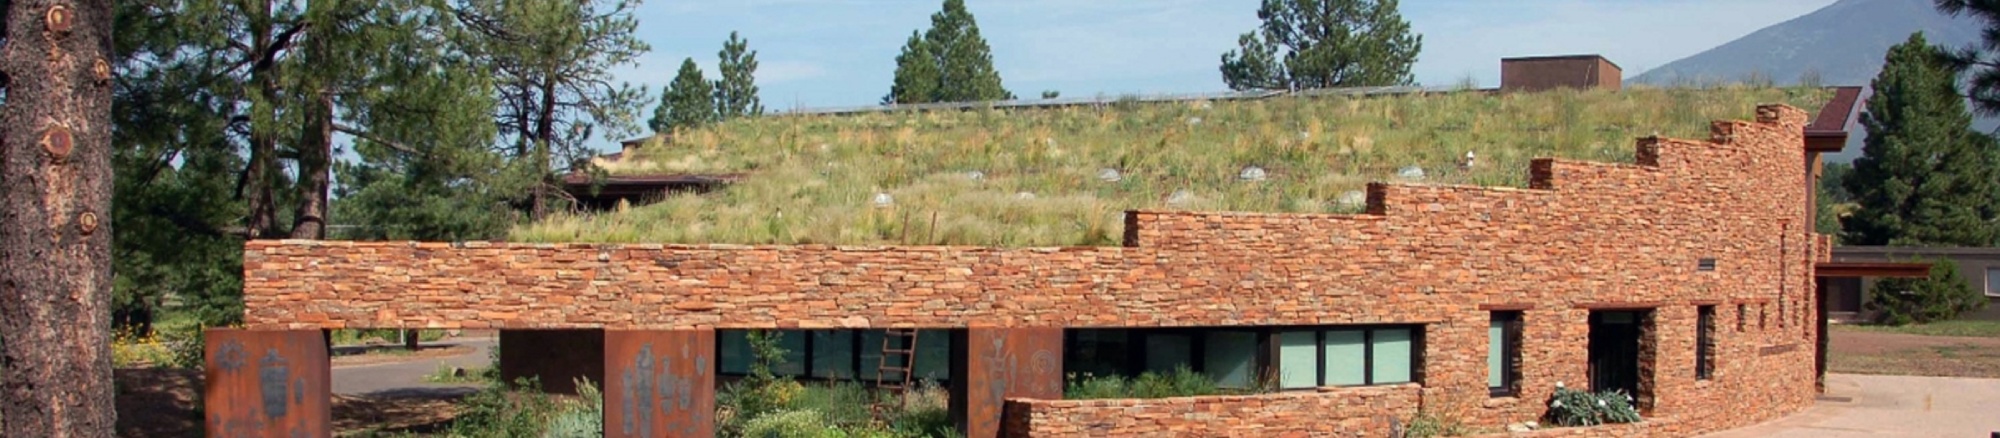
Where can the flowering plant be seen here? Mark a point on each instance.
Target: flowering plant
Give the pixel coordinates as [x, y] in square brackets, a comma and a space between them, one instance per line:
[1575, 407]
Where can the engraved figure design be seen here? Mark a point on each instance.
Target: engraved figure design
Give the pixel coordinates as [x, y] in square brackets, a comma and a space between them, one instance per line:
[273, 381]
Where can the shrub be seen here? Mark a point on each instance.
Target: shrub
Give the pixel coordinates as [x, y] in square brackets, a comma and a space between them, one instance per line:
[1942, 296]
[503, 410]
[1576, 407]
[1181, 382]
[583, 419]
[788, 424]
[1428, 425]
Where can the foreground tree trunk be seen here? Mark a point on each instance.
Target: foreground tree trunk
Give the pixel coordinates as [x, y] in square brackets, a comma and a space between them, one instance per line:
[55, 235]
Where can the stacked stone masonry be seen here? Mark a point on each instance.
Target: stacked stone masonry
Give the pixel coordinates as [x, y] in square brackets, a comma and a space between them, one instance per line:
[1583, 235]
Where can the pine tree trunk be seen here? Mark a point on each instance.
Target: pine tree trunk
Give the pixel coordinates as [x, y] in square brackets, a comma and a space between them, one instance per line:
[309, 220]
[55, 231]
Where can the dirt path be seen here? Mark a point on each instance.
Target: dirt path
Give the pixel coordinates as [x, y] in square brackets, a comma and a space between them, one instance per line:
[1890, 406]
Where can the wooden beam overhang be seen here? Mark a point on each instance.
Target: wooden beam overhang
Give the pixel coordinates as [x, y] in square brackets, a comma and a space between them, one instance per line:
[1871, 269]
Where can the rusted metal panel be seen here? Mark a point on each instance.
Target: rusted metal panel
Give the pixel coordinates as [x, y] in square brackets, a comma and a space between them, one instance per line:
[267, 383]
[661, 383]
[1004, 363]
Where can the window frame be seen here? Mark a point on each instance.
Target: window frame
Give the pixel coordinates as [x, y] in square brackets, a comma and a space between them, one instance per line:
[1511, 327]
[1990, 291]
[858, 347]
[1704, 342]
[1367, 353]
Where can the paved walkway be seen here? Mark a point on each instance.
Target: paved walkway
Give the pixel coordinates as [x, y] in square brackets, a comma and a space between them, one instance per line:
[408, 377]
[1891, 406]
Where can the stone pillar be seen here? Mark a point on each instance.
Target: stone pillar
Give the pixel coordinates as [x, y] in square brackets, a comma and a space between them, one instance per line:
[269, 383]
[662, 383]
[555, 357]
[995, 363]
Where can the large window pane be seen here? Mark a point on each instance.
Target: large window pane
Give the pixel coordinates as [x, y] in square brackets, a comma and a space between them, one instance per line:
[871, 354]
[933, 355]
[794, 343]
[833, 354]
[1165, 352]
[1392, 356]
[735, 357]
[1096, 352]
[1298, 359]
[1229, 358]
[1346, 358]
[1496, 351]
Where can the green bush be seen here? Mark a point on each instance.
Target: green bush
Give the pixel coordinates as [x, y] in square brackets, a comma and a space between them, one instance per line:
[1181, 382]
[788, 424]
[1576, 407]
[521, 409]
[1942, 296]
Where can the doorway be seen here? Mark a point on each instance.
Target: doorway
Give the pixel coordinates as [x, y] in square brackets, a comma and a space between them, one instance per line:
[1616, 350]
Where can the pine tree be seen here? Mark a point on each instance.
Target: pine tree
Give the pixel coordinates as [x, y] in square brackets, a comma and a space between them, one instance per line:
[1980, 61]
[962, 62]
[1924, 177]
[687, 102]
[916, 74]
[1304, 44]
[736, 88]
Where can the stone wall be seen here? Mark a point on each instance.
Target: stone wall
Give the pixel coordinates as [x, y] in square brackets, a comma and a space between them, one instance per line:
[1582, 236]
[1368, 411]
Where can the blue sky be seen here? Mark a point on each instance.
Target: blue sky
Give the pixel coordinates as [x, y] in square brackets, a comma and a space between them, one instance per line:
[819, 53]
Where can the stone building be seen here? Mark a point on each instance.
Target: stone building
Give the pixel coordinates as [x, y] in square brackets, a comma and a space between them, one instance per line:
[1686, 278]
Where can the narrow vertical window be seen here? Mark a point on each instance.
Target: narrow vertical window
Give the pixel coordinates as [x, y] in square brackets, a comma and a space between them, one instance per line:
[1503, 354]
[1704, 342]
[1742, 317]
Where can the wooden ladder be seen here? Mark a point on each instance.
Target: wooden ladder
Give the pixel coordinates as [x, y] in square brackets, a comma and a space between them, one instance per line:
[898, 363]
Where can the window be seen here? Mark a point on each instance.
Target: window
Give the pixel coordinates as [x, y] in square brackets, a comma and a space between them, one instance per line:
[1347, 356]
[834, 354]
[1742, 317]
[1230, 358]
[1993, 282]
[1503, 354]
[1763, 317]
[1704, 343]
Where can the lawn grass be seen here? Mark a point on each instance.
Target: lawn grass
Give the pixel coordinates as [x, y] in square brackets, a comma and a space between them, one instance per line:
[1033, 177]
[1960, 328]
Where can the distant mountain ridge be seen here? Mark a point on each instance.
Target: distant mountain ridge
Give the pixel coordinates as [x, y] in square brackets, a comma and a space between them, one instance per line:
[1843, 43]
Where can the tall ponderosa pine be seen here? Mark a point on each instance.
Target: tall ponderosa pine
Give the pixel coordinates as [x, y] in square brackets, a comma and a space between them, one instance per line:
[552, 62]
[1924, 177]
[962, 63]
[687, 103]
[1304, 44]
[1980, 61]
[736, 86]
[916, 73]
[55, 224]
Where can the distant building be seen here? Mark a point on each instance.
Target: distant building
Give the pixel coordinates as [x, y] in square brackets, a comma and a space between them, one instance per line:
[1538, 73]
[1846, 297]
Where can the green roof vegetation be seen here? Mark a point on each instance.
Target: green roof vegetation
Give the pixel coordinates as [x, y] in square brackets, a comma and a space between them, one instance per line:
[1042, 177]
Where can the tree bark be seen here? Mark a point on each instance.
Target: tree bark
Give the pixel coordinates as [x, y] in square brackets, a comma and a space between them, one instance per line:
[315, 152]
[260, 172]
[55, 230]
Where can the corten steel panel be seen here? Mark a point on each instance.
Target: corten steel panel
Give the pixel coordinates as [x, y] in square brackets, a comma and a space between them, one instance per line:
[662, 383]
[1002, 363]
[267, 383]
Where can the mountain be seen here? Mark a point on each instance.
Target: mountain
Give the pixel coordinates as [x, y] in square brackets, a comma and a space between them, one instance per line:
[1843, 43]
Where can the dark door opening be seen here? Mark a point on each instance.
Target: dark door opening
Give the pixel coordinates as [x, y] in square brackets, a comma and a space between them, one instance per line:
[1614, 351]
